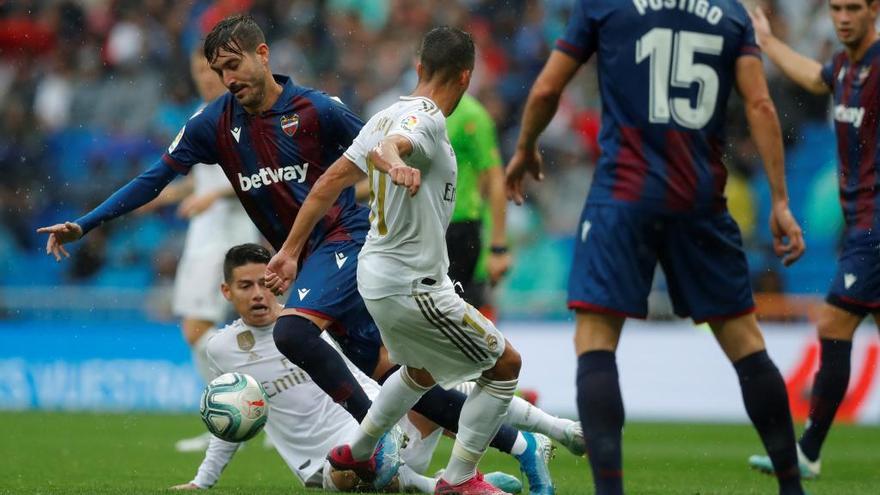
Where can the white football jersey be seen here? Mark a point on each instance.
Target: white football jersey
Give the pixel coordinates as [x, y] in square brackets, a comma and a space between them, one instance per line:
[304, 423]
[407, 239]
[223, 224]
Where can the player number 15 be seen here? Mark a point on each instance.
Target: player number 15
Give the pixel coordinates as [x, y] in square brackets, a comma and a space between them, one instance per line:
[670, 52]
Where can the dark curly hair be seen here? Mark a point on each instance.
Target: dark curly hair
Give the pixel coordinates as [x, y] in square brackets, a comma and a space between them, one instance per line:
[242, 255]
[236, 34]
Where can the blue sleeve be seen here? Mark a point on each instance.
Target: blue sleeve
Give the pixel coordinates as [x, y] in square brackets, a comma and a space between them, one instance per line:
[828, 74]
[195, 143]
[581, 36]
[140, 191]
[748, 46]
[345, 125]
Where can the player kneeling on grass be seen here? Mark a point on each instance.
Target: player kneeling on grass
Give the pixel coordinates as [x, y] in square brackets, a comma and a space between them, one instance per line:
[304, 423]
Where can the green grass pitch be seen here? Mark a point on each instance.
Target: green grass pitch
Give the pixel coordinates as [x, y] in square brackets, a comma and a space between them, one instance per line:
[133, 454]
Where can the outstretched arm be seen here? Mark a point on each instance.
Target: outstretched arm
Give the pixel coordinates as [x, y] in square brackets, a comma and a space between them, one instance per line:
[217, 457]
[174, 193]
[141, 190]
[282, 268]
[804, 71]
[788, 240]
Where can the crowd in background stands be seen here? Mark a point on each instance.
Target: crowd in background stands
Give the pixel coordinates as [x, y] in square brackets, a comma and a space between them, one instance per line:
[91, 91]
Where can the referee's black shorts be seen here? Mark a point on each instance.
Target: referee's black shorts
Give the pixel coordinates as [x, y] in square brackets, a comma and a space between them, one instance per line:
[464, 243]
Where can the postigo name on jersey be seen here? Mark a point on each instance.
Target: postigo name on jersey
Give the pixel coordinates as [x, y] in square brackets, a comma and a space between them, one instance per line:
[849, 115]
[700, 8]
[267, 176]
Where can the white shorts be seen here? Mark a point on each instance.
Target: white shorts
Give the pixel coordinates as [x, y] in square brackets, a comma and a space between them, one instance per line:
[197, 293]
[438, 331]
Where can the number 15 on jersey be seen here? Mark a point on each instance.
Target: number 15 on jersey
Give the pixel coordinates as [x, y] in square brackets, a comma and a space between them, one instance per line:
[671, 63]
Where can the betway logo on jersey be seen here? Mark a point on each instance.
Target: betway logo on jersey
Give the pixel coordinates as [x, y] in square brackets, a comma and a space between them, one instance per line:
[849, 115]
[267, 176]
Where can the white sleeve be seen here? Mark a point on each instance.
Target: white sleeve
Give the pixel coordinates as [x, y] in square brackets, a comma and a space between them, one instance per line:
[422, 129]
[219, 452]
[216, 369]
[357, 152]
[218, 455]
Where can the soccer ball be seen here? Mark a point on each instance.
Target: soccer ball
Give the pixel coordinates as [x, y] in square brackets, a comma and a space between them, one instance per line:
[234, 407]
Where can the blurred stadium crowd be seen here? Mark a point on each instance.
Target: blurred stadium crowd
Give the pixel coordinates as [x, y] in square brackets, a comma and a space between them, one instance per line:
[91, 91]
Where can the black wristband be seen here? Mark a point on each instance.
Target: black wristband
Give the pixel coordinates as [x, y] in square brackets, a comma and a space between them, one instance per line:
[498, 249]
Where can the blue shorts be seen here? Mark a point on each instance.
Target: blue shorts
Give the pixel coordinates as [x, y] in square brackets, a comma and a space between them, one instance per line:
[617, 250]
[856, 286]
[326, 287]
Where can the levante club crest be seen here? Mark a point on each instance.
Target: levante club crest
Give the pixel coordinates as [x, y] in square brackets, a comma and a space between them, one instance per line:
[290, 124]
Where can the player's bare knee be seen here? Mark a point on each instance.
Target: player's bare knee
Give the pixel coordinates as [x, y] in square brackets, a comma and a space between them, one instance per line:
[738, 337]
[384, 366]
[836, 324]
[597, 332]
[295, 335]
[507, 367]
[419, 377]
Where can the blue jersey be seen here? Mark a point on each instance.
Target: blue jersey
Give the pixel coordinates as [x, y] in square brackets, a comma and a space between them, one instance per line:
[666, 68]
[856, 90]
[273, 159]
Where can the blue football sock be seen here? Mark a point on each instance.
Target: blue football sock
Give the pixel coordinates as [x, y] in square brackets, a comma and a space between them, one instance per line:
[601, 412]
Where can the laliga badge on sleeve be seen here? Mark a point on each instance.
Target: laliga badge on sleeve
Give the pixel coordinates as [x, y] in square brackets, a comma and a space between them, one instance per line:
[409, 123]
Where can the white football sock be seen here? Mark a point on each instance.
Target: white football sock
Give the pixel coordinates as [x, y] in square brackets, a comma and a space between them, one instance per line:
[465, 387]
[200, 357]
[418, 451]
[397, 396]
[519, 445]
[482, 415]
[526, 417]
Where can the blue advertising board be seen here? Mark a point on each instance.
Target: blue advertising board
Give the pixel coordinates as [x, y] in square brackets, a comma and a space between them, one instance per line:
[106, 366]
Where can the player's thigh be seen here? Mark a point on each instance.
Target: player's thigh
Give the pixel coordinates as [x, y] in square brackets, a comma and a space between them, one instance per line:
[855, 288]
[197, 294]
[706, 269]
[326, 284]
[358, 335]
[439, 332]
[614, 259]
[326, 288]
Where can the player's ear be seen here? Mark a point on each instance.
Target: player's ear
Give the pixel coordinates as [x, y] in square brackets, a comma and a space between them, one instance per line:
[464, 79]
[226, 291]
[420, 70]
[263, 53]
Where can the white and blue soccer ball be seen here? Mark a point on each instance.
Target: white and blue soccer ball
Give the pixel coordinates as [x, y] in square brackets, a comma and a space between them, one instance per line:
[234, 407]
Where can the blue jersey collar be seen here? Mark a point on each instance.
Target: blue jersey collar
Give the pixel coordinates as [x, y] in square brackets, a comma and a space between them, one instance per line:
[288, 89]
